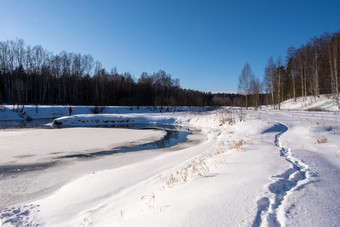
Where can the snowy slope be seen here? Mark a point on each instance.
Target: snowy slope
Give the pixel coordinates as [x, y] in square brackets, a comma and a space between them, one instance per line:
[323, 102]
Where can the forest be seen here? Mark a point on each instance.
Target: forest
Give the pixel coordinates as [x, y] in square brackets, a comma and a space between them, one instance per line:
[309, 70]
[33, 75]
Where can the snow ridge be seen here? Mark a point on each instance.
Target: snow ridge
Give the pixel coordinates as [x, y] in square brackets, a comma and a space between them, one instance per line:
[295, 178]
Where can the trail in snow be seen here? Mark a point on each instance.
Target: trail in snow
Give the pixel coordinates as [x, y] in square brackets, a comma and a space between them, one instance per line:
[289, 181]
[18, 216]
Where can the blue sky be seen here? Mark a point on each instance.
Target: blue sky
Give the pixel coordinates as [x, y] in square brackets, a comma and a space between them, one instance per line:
[203, 43]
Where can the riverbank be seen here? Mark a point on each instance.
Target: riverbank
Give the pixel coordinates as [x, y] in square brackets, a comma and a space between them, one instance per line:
[31, 112]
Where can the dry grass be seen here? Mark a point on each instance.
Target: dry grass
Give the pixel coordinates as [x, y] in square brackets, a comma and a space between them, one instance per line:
[122, 214]
[87, 220]
[241, 114]
[316, 109]
[150, 200]
[197, 167]
[320, 123]
[237, 144]
[226, 116]
[321, 140]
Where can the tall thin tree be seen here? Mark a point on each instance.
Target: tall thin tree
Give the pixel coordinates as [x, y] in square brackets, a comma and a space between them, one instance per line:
[244, 81]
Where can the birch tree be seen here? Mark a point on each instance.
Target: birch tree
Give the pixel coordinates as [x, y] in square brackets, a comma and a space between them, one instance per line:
[244, 80]
[316, 88]
[333, 52]
[269, 78]
[291, 67]
[255, 90]
[278, 79]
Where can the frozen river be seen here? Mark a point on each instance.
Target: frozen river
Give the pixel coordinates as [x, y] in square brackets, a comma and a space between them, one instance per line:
[37, 159]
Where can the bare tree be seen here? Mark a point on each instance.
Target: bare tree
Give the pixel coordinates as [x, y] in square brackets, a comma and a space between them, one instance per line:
[278, 79]
[244, 81]
[269, 78]
[333, 52]
[291, 66]
[87, 62]
[302, 65]
[255, 90]
[316, 88]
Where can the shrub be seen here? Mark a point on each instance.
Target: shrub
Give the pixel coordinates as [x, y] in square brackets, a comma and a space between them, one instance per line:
[98, 109]
[316, 109]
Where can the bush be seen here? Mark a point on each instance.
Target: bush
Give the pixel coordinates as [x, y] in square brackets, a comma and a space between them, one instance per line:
[98, 109]
[316, 109]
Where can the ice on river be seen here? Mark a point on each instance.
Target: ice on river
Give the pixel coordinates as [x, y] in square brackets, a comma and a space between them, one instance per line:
[44, 145]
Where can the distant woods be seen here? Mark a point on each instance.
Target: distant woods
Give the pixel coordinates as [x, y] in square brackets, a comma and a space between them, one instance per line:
[33, 75]
[312, 69]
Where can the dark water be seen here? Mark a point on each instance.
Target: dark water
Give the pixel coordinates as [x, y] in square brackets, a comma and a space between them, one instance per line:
[40, 123]
[22, 168]
[171, 138]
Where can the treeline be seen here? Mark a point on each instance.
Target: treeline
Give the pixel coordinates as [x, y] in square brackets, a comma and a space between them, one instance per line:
[229, 99]
[312, 69]
[33, 75]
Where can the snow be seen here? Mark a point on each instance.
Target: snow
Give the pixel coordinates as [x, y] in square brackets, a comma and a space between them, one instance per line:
[115, 119]
[269, 170]
[43, 145]
[323, 102]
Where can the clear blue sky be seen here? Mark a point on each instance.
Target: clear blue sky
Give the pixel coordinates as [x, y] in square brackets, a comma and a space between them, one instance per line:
[203, 43]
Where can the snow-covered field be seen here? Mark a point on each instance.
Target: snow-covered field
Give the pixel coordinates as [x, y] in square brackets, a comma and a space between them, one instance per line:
[275, 168]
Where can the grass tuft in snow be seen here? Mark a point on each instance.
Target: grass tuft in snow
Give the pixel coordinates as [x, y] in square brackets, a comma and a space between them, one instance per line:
[196, 168]
[316, 109]
[122, 214]
[321, 140]
[150, 200]
[87, 221]
[237, 144]
[241, 114]
[226, 116]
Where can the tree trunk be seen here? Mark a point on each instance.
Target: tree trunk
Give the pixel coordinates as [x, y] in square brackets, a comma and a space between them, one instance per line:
[294, 91]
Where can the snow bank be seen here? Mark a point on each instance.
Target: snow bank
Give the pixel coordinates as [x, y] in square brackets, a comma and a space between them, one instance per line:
[19, 112]
[115, 119]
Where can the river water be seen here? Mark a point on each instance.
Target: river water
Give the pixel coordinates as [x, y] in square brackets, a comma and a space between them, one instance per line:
[40, 123]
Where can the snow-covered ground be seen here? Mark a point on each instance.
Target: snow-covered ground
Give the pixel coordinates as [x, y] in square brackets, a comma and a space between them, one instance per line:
[323, 102]
[275, 168]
